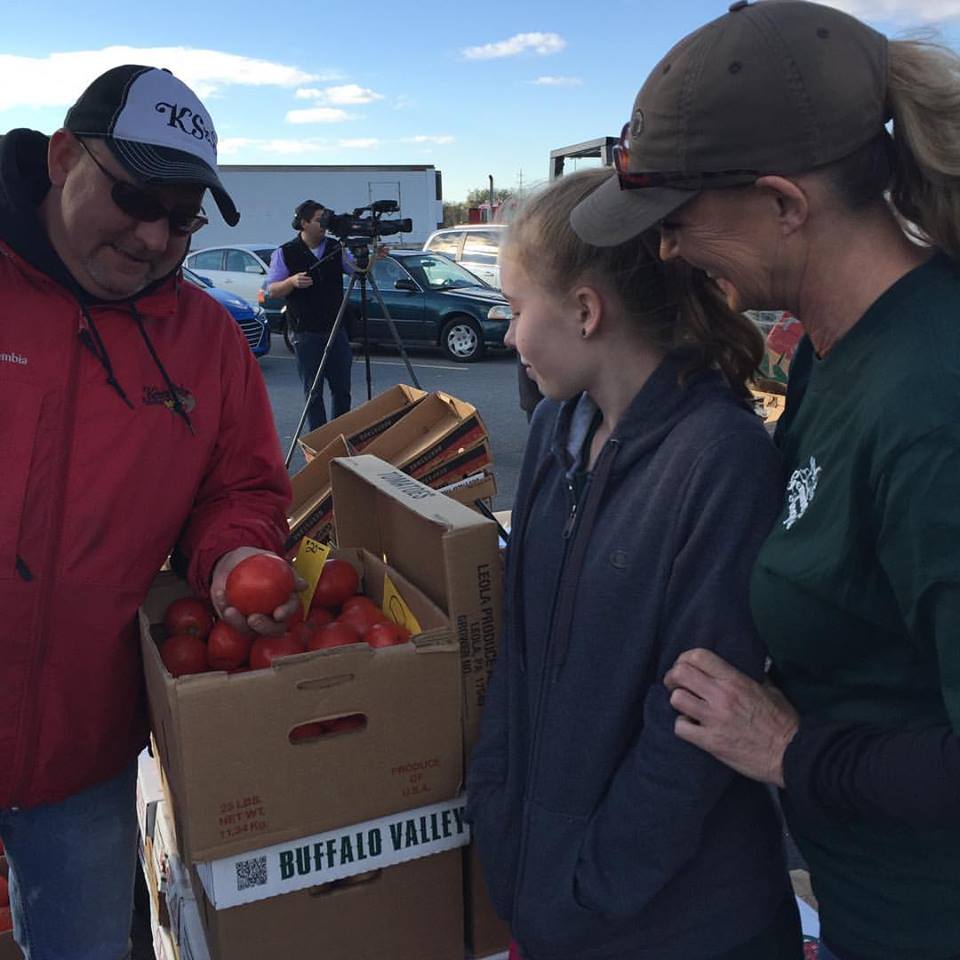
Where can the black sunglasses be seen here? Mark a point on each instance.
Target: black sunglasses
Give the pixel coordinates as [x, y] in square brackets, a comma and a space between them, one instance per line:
[143, 205]
[677, 180]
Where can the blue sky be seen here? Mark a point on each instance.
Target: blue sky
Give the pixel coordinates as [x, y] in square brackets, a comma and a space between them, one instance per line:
[479, 89]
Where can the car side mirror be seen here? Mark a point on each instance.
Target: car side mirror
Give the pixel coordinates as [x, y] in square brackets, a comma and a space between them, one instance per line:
[406, 284]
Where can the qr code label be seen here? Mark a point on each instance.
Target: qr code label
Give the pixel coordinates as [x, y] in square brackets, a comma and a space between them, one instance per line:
[252, 873]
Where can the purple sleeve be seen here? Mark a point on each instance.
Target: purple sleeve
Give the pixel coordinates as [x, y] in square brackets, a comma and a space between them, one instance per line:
[278, 267]
[908, 774]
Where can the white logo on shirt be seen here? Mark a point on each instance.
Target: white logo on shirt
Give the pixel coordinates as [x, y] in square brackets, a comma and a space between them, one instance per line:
[801, 489]
[13, 358]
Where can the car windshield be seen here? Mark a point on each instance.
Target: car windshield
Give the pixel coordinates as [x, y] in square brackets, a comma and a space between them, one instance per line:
[265, 253]
[436, 272]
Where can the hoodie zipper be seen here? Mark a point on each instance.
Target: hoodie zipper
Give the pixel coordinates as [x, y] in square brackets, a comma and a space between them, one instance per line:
[47, 576]
[570, 529]
[569, 526]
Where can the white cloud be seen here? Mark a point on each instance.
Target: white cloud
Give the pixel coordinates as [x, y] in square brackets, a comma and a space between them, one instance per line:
[429, 138]
[359, 143]
[347, 94]
[230, 147]
[557, 82]
[318, 115]
[540, 43]
[904, 12]
[59, 78]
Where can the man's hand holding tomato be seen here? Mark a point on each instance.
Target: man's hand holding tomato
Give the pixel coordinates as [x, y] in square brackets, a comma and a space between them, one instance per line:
[257, 622]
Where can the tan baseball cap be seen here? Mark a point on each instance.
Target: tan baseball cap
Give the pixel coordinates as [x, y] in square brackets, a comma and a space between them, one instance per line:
[778, 86]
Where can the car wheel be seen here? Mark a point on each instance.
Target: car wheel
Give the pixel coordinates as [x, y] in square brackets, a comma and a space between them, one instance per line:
[462, 340]
[287, 335]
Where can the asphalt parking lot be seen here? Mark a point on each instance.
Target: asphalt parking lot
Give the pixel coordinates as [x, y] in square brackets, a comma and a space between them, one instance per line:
[489, 384]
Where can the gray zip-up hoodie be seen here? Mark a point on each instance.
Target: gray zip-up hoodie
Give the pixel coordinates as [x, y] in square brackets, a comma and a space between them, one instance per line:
[602, 834]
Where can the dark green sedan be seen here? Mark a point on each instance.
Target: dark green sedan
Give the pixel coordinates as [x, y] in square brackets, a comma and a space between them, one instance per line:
[432, 300]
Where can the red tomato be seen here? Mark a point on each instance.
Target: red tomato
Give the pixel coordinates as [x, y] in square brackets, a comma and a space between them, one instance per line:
[188, 615]
[362, 616]
[267, 649]
[184, 654]
[383, 634]
[404, 633]
[358, 600]
[308, 731]
[227, 648]
[4, 892]
[6, 920]
[338, 582]
[302, 633]
[333, 635]
[319, 616]
[259, 584]
[296, 618]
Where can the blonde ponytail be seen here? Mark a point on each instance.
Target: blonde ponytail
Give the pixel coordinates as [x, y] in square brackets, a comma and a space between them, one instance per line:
[924, 99]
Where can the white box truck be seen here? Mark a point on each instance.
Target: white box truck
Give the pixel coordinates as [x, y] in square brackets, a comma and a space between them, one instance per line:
[267, 195]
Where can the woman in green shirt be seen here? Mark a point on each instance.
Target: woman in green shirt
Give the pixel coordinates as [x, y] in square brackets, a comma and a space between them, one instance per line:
[760, 144]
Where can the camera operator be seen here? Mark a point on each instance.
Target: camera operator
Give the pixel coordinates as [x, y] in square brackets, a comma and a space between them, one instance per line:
[307, 272]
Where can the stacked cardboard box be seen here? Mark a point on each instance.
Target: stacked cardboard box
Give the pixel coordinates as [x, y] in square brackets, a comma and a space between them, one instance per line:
[8, 948]
[249, 805]
[435, 438]
[451, 554]
[361, 425]
[442, 443]
[174, 917]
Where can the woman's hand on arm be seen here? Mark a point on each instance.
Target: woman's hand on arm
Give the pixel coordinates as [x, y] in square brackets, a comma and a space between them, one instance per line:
[744, 724]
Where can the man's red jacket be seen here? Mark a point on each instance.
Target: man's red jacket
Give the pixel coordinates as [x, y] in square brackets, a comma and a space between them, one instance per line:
[94, 494]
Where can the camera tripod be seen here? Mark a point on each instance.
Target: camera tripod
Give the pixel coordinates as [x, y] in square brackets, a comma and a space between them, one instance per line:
[361, 275]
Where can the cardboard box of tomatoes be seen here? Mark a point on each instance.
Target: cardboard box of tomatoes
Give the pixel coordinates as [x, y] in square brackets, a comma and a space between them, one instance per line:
[240, 773]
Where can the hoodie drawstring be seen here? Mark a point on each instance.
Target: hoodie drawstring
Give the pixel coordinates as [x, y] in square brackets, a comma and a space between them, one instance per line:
[178, 406]
[91, 339]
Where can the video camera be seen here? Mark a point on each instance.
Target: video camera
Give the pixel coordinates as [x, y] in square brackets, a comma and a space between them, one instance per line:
[360, 227]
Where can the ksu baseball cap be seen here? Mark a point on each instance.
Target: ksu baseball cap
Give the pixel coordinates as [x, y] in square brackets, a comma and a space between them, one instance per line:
[155, 127]
[774, 87]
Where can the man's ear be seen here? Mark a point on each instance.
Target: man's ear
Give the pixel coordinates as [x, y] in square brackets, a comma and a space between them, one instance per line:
[589, 306]
[63, 153]
[793, 205]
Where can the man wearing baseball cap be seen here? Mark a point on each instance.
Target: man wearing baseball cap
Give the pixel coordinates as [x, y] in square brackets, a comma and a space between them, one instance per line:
[136, 423]
[808, 163]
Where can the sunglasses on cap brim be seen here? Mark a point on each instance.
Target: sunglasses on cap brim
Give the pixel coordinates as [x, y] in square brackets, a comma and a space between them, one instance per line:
[144, 205]
[631, 180]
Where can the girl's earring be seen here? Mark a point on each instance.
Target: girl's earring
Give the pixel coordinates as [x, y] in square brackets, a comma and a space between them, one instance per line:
[583, 332]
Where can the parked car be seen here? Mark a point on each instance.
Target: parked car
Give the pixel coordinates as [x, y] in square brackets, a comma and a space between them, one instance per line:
[252, 321]
[474, 246]
[432, 300]
[240, 268]
[273, 307]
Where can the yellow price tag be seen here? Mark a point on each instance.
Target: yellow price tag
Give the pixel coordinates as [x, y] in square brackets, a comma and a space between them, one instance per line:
[309, 562]
[395, 607]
